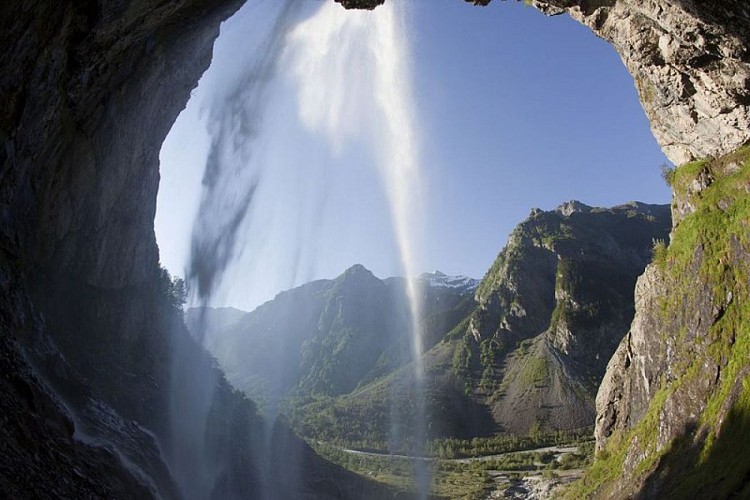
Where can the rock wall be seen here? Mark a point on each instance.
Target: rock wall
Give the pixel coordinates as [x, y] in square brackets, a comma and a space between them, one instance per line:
[88, 92]
[674, 407]
[690, 63]
[689, 59]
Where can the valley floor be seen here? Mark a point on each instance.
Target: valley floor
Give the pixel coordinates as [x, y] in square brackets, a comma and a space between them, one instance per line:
[528, 474]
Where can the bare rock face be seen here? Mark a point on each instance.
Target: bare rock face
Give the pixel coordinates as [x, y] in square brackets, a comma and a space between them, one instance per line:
[690, 63]
[633, 373]
[88, 91]
[689, 60]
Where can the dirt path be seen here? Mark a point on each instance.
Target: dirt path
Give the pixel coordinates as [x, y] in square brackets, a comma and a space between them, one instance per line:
[509, 484]
[558, 450]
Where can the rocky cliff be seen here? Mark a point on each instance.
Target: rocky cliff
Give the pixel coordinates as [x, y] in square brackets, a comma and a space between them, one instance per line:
[552, 309]
[88, 91]
[689, 59]
[673, 412]
[81, 312]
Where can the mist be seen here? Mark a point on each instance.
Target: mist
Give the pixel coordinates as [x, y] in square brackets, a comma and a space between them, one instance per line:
[350, 76]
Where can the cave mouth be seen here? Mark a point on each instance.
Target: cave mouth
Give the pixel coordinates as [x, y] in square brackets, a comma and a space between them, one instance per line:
[506, 122]
[284, 167]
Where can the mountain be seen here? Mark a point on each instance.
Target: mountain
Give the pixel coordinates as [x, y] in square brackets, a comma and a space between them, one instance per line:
[328, 337]
[211, 319]
[523, 350]
[551, 311]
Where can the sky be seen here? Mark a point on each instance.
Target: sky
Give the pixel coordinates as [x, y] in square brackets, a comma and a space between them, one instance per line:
[511, 110]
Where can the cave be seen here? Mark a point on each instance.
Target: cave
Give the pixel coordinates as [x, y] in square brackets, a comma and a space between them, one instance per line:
[89, 91]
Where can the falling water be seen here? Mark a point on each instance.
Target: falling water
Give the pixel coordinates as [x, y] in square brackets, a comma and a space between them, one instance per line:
[232, 173]
[229, 185]
[353, 75]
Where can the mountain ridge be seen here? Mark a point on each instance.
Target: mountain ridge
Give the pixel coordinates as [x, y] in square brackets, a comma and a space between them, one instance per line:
[523, 349]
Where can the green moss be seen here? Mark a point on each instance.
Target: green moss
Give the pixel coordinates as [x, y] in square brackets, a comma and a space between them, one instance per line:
[705, 264]
[608, 464]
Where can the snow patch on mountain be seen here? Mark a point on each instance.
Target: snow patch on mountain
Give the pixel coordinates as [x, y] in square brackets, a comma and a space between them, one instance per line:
[442, 280]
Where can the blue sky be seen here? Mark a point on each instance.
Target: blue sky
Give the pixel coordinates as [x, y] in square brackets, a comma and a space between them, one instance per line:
[515, 110]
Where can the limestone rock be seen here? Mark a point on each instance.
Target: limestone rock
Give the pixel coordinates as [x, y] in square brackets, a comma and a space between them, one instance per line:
[690, 63]
[689, 60]
[554, 306]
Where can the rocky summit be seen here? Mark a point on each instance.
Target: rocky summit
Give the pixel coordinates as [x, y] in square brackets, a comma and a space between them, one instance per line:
[553, 308]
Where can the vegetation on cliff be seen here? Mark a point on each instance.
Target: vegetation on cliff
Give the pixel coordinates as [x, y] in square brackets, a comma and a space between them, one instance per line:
[552, 309]
[690, 441]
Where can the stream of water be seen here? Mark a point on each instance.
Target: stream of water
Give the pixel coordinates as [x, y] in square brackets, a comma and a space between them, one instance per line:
[352, 78]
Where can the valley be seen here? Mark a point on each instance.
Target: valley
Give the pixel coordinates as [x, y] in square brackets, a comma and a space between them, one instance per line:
[512, 362]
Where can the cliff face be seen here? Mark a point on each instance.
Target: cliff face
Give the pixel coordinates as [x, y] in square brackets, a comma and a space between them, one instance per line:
[673, 410]
[552, 310]
[88, 91]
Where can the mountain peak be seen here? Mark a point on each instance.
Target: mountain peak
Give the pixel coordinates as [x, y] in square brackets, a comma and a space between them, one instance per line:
[442, 280]
[434, 274]
[357, 269]
[572, 206]
[357, 274]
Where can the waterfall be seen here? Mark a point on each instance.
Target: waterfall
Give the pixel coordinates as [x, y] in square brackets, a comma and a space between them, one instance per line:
[232, 172]
[229, 184]
[351, 74]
